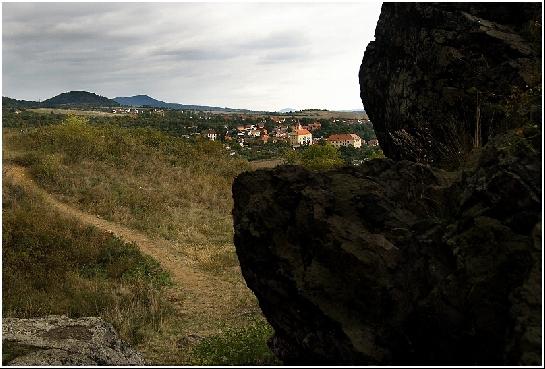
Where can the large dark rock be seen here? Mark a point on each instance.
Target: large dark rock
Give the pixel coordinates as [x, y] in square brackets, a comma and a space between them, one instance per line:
[442, 78]
[399, 262]
[396, 262]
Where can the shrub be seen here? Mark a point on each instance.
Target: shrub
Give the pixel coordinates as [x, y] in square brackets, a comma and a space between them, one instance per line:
[315, 157]
[237, 346]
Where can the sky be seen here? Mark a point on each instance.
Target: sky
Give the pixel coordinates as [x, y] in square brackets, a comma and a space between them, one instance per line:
[259, 56]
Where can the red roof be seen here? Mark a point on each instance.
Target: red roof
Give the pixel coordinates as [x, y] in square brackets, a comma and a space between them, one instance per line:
[301, 132]
[343, 137]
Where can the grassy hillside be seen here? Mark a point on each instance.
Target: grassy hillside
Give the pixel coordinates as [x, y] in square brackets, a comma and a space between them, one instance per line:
[54, 265]
[174, 190]
[165, 186]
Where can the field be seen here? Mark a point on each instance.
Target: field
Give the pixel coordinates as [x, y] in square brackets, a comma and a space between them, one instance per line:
[266, 163]
[135, 226]
[85, 113]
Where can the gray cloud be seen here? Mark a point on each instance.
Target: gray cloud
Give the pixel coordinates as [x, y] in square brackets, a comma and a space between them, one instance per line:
[260, 56]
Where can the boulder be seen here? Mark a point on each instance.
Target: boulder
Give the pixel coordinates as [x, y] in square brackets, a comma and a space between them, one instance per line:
[398, 263]
[442, 78]
[59, 340]
[433, 255]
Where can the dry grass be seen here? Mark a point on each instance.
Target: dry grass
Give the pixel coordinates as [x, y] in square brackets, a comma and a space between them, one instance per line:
[176, 192]
[266, 163]
[162, 185]
[54, 265]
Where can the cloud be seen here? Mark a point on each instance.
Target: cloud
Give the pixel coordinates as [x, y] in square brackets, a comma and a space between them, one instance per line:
[248, 55]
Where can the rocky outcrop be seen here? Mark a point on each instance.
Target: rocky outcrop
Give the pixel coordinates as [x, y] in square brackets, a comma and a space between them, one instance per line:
[396, 262]
[59, 340]
[433, 256]
[440, 79]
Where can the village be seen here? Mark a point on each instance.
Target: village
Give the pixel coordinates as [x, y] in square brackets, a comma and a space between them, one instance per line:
[290, 131]
[260, 135]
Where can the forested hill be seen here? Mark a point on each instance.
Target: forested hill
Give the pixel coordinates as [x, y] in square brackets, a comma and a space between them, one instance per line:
[78, 98]
[8, 102]
[145, 100]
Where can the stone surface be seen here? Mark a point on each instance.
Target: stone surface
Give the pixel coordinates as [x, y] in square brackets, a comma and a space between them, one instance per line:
[441, 78]
[397, 263]
[59, 340]
[433, 256]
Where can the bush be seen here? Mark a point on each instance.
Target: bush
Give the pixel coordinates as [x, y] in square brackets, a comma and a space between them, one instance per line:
[315, 157]
[237, 346]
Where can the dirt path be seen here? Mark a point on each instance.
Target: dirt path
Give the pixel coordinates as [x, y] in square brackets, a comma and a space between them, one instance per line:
[200, 299]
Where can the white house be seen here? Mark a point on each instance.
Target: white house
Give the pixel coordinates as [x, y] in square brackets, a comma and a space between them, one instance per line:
[300, 137]
[345, 139]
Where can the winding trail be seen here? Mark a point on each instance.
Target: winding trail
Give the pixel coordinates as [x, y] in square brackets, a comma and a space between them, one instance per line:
[200, 299]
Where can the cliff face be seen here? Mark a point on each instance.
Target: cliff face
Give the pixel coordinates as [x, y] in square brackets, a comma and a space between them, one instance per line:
[398, 262]
[441, 79]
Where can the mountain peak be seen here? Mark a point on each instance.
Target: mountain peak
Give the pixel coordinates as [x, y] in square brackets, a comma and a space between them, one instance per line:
[79, 98]
[141, 100]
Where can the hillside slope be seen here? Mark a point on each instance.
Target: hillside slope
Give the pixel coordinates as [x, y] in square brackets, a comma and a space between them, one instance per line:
[78, 98]
[8, 102]
[144, 100]
[168, 196]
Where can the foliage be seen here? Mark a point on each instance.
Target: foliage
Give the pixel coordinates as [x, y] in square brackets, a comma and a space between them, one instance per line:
[364, 130]
[325, 156]
[54, 265]
[315, 157]
[237, 346]
[28, 119]
[351, 155]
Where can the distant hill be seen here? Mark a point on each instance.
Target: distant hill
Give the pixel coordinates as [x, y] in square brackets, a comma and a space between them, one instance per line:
[287, 110]
[145, 100]
[8, 102]
[354, 110]
[78, 98]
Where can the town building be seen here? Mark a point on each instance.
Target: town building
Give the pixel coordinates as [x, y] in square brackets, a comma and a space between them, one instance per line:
[300, 137]
[345, 139]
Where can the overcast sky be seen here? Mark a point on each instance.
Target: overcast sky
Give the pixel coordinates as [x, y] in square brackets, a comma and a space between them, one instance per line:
[245, 55]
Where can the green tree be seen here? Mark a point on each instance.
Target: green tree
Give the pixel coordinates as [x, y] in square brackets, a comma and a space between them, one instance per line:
[292, 157]
[349, 153]
[314, 157]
